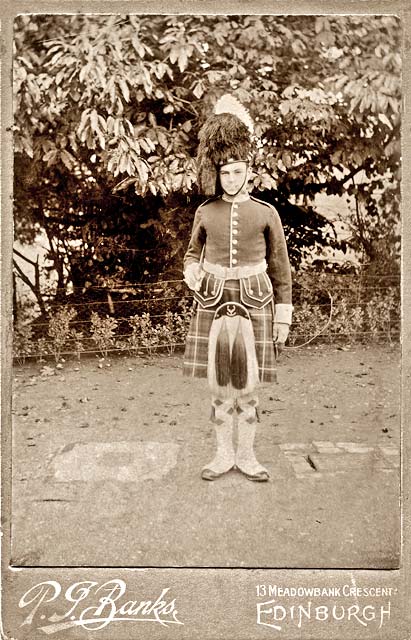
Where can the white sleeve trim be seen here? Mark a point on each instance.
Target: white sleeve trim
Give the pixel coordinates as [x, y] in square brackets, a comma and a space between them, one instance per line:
[192, 275]
[283, 313]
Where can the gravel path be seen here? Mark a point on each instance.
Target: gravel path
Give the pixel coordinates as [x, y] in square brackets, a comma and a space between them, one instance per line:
[107, 460]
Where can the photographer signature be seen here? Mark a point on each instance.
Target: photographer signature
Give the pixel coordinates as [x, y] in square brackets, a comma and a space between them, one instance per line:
[93, 606]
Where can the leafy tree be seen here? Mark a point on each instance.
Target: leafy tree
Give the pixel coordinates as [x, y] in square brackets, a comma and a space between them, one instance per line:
[108, 108]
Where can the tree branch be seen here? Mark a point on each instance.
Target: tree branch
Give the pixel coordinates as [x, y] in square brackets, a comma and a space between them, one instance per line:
[35, 288]
[20, 255]
[366, 245]
[362, 166]
[23, 276]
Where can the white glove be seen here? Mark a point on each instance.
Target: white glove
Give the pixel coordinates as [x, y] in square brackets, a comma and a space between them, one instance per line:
[192, 275]
[280, 332]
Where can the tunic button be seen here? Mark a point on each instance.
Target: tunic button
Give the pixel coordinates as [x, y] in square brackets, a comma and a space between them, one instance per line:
[234, 250]
[235, 231]
[234, 261]
[235, 205]
[235, 222]
[235, 241]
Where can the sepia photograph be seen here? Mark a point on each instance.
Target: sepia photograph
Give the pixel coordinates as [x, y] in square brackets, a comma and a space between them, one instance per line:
[206, 313]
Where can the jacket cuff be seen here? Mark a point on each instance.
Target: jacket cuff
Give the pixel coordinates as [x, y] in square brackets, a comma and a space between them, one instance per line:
[188, 261]
[283, 313]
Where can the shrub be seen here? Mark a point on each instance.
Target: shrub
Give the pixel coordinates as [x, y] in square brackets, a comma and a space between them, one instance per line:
[144, 335]
[382, 315]
[344, 308]
[22, 342]
[59, 329]
[42, 348]
[77, 339]
[103, 332]
[172, 331]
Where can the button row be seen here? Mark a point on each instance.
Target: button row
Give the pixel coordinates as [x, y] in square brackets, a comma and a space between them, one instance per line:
[235, 232]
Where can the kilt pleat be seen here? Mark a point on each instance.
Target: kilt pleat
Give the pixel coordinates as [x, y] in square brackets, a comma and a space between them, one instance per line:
[196, 350]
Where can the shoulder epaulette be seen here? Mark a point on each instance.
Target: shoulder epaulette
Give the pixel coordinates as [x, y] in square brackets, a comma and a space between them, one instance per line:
[267, 204]
[212, 199]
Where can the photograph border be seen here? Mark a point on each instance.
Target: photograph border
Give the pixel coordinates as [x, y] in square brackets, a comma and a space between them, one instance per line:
[198, 603]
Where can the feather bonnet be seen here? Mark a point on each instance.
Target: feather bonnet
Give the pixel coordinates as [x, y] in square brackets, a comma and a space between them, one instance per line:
[226, 136]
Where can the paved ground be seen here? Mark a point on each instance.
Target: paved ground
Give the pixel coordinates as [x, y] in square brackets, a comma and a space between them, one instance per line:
[106, 466]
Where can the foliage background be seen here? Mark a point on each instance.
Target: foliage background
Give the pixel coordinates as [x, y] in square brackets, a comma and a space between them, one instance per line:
[107, 111]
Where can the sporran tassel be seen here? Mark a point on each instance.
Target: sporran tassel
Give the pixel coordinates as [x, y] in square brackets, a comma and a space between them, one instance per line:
[222, 356]
[239, 368]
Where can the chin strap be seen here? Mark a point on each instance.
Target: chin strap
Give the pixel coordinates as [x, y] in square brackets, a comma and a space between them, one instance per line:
[242, 186]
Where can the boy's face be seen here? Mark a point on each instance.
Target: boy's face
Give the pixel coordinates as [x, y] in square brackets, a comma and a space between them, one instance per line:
[234, 177]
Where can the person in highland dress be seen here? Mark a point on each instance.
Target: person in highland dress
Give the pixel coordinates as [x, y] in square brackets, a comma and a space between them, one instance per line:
[237, 266]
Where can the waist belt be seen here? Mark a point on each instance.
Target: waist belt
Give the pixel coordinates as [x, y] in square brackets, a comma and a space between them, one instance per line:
[234, 273]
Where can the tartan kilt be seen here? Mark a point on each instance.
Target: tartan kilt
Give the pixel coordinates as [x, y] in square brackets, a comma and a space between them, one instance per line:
[196, 349]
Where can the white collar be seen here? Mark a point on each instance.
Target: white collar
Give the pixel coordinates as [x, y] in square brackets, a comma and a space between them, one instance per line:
[238, 198]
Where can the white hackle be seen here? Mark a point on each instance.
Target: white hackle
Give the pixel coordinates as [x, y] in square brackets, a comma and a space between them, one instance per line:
[229, 104]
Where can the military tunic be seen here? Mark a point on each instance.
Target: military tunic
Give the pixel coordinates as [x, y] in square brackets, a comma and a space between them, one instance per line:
[233, 240]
